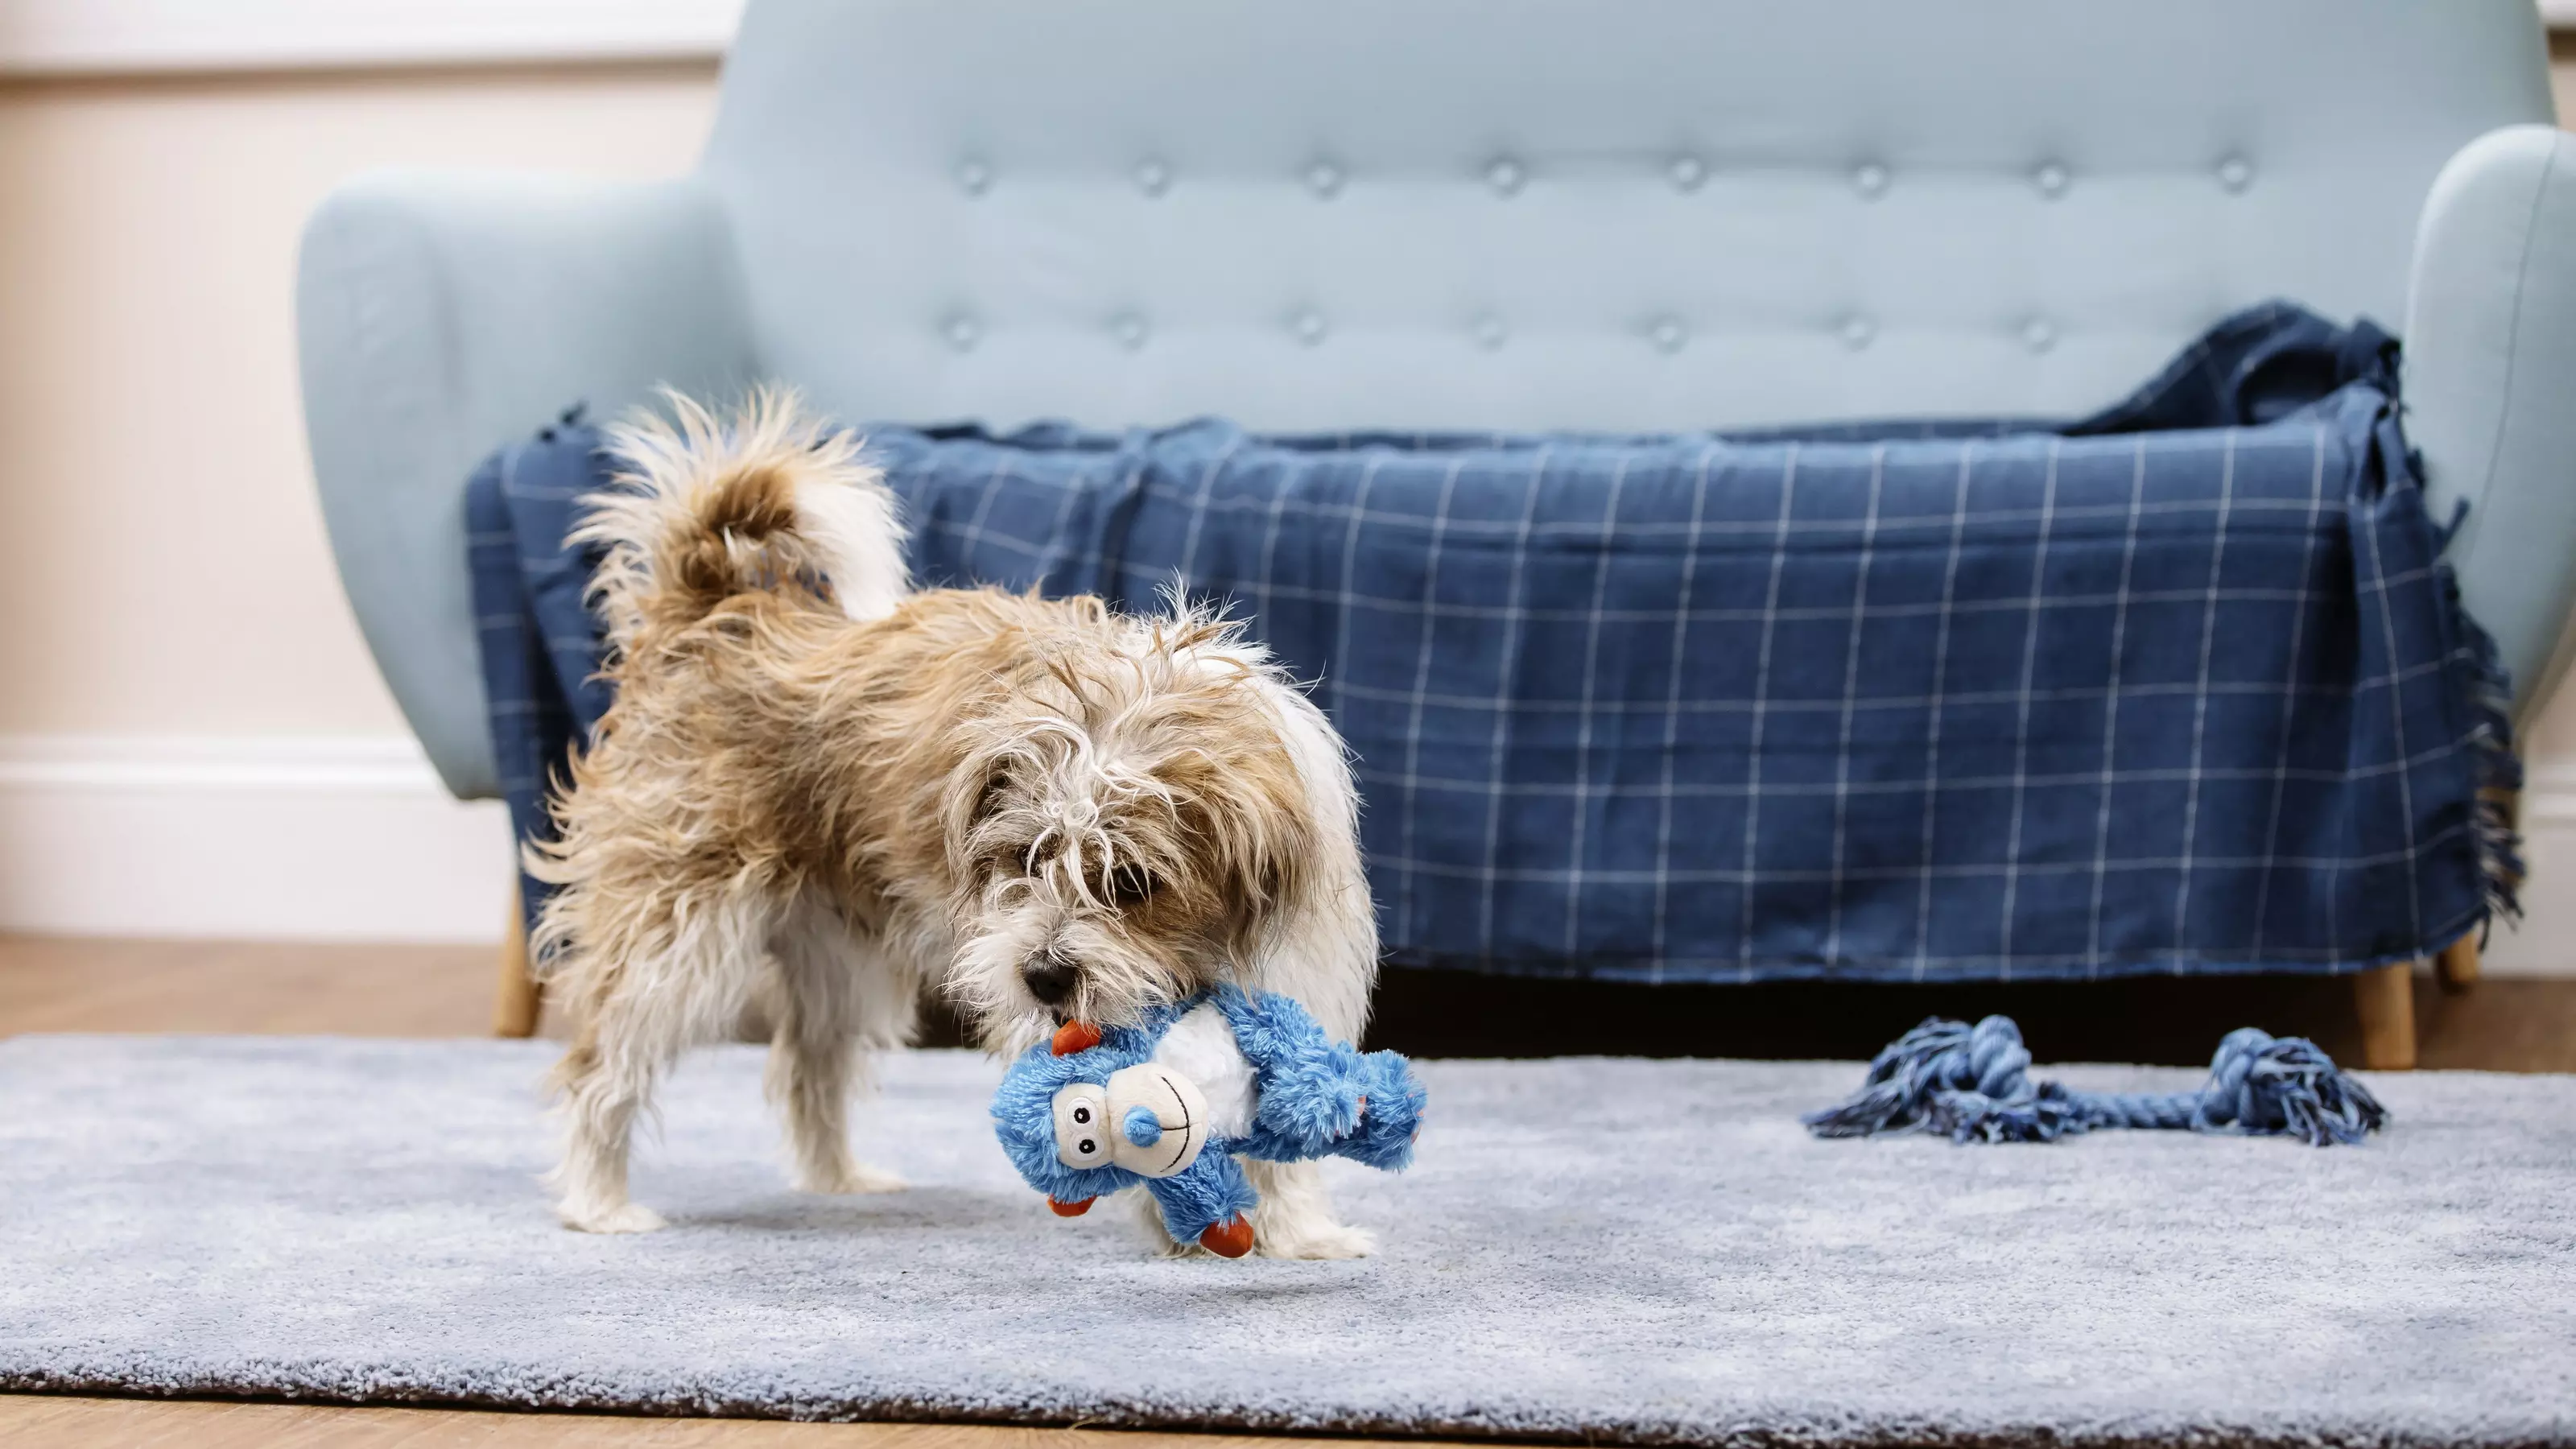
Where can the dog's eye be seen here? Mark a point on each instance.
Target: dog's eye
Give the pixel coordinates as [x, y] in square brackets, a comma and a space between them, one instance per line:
[1129, 884]
[990, 797]
[1002, 861]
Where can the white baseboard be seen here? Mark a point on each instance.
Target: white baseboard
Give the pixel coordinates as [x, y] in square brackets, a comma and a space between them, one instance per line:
[339, 838]
[331, 838]
[2545, 943]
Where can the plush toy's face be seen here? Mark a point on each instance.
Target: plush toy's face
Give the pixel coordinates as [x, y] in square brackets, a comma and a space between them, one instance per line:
[1148, 1119]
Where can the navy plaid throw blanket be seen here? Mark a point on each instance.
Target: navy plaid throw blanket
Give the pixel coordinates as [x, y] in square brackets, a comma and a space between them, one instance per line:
[2178, 688]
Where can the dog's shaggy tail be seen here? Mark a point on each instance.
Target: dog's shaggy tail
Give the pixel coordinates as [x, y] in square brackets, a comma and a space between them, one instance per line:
[708, 508]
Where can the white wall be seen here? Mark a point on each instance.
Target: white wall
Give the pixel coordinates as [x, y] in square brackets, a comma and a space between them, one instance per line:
[192, 739]
[2545, 945]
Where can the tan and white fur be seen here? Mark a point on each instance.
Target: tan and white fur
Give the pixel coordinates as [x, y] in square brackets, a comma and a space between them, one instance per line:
[820, 791]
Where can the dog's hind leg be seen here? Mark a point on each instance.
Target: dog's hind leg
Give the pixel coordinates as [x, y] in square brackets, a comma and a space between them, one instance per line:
[606, 1078]
[837, 1000]
[665, 978]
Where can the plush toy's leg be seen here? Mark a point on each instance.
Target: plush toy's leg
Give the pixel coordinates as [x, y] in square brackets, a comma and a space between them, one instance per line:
[1149, 1211]
[1208, 1203]
[1229, 1239]
[1295, 1218]
[826, 1014]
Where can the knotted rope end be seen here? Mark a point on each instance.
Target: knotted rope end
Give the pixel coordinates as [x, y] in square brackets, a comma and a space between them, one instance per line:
[1972, 1084]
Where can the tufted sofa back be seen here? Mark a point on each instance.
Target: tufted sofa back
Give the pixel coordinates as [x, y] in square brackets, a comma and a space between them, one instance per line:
[1585, 213]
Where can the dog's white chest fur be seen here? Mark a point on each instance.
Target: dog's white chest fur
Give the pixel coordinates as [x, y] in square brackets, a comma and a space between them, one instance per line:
[1200, 1046]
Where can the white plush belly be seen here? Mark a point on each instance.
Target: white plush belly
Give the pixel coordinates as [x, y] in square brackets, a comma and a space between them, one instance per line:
[1200, 1046]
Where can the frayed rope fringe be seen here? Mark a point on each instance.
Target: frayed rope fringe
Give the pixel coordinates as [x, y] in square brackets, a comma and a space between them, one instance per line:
[1972, 1084]
[2489, 690]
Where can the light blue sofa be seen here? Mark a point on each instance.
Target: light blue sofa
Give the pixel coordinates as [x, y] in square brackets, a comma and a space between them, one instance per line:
[1478, 213]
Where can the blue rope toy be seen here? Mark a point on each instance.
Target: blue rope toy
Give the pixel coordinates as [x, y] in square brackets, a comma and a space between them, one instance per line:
[1973, 1084]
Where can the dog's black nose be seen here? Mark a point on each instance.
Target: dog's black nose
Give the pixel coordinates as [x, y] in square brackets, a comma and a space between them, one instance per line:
[1050, 978]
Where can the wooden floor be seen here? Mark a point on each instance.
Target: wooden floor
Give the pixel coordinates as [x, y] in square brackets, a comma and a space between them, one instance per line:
[119, 986]
[205, 986]
[62, 1423]
[2504, 1025]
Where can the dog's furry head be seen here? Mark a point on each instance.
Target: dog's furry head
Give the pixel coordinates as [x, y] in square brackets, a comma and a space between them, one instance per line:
[1122, 823]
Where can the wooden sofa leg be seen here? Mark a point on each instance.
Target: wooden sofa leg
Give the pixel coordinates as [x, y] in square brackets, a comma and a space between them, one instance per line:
[515, 1009]
[2458, 964]
[2386, 998]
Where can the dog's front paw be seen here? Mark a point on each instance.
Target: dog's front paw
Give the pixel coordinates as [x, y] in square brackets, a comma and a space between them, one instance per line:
[1327, 1241]
[856, 1177]
[625, 1217]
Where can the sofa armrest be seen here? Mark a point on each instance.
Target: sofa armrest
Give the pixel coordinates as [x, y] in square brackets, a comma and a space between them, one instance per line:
[440, 316]
[2491, 387]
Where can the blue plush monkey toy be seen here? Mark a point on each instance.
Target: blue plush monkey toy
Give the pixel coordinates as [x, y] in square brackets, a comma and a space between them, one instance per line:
[1173, 1102]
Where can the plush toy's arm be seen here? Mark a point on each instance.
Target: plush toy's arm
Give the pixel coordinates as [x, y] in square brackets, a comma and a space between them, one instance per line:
[1274, 1033]
[1394, 1115]
[1311, 1085]
[1208, 1203]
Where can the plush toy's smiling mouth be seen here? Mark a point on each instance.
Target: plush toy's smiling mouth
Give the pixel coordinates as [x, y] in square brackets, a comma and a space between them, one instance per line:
[1158, 1120]
[1183, 1131]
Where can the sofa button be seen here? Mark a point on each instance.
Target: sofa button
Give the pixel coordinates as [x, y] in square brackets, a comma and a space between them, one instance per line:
[1858, 332]
[974, 177]
[1668, 334]
[1505, 175]
[1490, 332]
[2038, 334]
[1870, 180]
[1686, 172]
[2236, 173]
[1152, 177]
[2051, 179]
[962, 333]
[1324, 178]
[1129, 330]
[1308, 324]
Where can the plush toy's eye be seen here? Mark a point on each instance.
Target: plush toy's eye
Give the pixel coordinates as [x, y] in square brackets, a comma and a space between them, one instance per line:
[1080, 1110]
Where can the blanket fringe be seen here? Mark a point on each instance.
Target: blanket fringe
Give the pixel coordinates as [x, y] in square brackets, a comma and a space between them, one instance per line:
[2489, 690]
[1972, 1084]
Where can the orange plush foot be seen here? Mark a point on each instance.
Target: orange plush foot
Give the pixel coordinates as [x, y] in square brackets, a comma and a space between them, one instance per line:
[1069, 1209]
[1229, 1239]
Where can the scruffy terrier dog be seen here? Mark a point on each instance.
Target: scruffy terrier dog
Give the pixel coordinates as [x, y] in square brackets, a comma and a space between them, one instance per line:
[821, 790]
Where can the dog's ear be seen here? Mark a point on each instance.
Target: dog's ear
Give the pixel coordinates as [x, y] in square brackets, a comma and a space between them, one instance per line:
[974, 796]
[1271, 858]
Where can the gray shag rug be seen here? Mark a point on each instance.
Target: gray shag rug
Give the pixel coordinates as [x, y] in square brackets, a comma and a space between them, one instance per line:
[1604, 1250]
